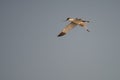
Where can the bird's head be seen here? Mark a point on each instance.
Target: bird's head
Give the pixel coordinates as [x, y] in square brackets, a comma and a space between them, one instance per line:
[67, 19]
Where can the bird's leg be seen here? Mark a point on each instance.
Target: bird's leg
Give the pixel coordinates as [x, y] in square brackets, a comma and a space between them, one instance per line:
[86, 29]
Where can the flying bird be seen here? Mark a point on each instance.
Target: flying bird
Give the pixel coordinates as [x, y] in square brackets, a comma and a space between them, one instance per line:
[73, 23]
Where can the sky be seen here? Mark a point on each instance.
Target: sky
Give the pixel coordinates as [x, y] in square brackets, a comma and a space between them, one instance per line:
[31, 50]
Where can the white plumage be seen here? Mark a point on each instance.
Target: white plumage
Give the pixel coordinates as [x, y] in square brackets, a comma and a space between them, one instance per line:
[74, 23]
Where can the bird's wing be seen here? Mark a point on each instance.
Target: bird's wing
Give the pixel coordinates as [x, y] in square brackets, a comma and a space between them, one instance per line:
[67, 28]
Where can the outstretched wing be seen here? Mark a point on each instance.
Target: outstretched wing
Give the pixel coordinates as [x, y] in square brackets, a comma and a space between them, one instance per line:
[66, 29]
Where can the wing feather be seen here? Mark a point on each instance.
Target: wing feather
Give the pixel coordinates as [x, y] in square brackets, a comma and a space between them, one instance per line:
[67, 29]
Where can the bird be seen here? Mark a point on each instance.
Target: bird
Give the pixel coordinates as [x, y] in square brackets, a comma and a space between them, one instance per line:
[73, 23]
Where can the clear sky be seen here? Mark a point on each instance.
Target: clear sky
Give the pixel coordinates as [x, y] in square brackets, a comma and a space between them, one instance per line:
[31, 50]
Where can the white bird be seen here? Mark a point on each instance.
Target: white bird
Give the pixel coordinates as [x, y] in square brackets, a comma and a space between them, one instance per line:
[74, 23]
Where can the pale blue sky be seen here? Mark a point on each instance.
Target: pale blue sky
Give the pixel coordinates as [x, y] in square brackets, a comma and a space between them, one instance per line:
[31, 50]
